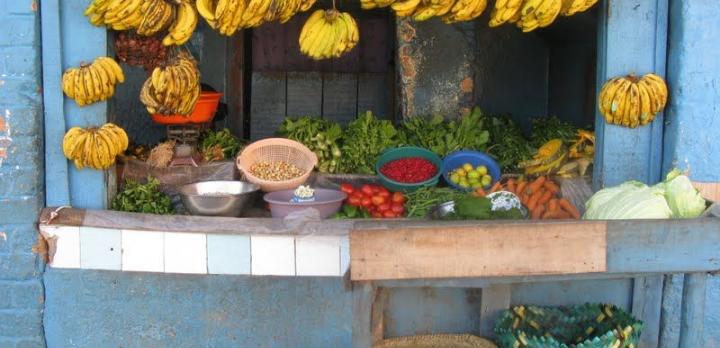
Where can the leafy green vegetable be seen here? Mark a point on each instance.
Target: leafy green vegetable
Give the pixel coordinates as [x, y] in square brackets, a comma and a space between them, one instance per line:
[351, 212]
[509, 145]
[682, 197]
[365, 139]
[221, 143]
[444, 137]
[478, 208]
[143, 198]
[420, 202]
[321, 136]
[630, 200]
[545, 129]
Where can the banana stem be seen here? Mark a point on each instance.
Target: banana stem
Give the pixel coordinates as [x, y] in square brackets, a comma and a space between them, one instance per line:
[334, 7]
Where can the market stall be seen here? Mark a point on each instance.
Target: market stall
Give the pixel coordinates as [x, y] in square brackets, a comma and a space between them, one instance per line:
[397, 144]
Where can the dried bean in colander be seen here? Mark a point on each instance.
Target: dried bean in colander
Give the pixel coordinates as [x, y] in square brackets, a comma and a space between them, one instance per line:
[275, 171]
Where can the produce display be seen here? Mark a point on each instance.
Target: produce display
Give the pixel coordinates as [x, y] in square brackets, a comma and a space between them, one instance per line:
[529, 15]
[545, 129]
[630, 101]
[410, 170]
[275, 171]
[548, 159]
[373, 201]
[364, 140]
[328, 34]
[673, 198]
[468, 176]
[143, 198]
[321, 136]
[451, 11]
[162, 154]
[94, 82]
[581, 155]
[509, 146]
[96, 148]
[145, 51]
[229, 16]
[173, 89]
[541, 196]
[444, 137]
[219, 145]
[420, 202]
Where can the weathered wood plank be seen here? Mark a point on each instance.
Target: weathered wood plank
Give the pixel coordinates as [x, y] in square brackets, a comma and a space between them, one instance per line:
[268, 104]
[235, 84]
[495, 299]
[481, 251]
[340, 97]
[647, 304]
[304, 94]
[375, 94]
[268, 48]
[363, 299]
[692, 317]
[375, 45]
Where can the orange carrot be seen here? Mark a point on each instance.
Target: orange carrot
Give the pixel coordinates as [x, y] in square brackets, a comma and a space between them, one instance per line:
[524, 198]
[521, 187]
[546, 197]
[496, 187]
[550, 185]
[554, 214]
[569, 208]
[534, 198]
[553, 204]
[536, 184]
[480, 192]
[511, 185]
[537, 212]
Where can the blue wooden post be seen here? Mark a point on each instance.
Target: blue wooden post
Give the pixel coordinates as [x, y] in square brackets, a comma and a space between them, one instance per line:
[692, 316]
[80, 42]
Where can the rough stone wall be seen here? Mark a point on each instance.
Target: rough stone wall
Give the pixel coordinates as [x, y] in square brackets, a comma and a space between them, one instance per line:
[21, 178]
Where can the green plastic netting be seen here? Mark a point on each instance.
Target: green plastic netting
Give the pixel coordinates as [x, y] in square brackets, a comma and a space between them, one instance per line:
[584, 326]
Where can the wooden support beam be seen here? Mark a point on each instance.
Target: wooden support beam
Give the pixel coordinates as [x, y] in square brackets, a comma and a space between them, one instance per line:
[693, 311]
[495, 299]
[363, 299]
[647, 305]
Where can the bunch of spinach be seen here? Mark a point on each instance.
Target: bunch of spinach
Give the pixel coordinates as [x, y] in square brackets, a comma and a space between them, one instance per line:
[509, 146]
[444, 137]
[321, 136]
[143, 198]
[220, 145]
[364, 140]
[545, 129]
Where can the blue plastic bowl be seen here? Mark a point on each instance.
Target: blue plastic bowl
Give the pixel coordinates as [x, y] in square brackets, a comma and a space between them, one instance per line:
[476, 158]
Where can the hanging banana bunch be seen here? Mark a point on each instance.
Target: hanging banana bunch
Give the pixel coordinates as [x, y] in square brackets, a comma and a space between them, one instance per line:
[571, 7]
[529, 15]
[451, 11]
[630, 101]
[94, 82]
[96, 148]
[184, 25]
[173, 89]
[229, 16]
[328, 34]
[538, 14]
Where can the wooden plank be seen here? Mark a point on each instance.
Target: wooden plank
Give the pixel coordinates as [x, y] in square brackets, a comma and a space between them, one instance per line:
[56, 167]
[235, 84]
[495, 299]
[692, 317]
[709, 190]
[340, 97]
[479, 251]
[304, 94]
[647, 305]
[267, 104]
[669, 246]
[374, 94]
[268, 48]
[375, 44]
[363, 299]
[377, 315]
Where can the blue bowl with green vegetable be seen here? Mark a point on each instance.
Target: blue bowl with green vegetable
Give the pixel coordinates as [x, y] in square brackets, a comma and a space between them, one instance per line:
[469, 170]
[413, 153]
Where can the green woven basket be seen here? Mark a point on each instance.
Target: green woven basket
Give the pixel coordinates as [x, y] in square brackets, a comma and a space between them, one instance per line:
[585, 326]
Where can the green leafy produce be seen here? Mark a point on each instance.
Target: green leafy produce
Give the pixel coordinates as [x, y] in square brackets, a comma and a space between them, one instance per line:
[630, 200]
[444, 137]
[480, 208]
[509, 146]
[321, 136]
[365, 139]
[220, 145]
[350, 212]
[682, 197]
[545, 129]
[420, 202]
[143, 198]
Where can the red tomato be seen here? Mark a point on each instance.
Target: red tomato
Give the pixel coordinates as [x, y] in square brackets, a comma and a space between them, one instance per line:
[367, 189]
[389, 214]
[378, 200]
[347, 188]
[398, 209]
[354, 201]
[384, 193]
[366, 202]
[376, 188]
[398, 197]
[358, 195]
[376, 215]
[383, 207]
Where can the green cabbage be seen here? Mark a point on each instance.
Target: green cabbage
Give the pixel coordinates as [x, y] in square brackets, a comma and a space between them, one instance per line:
[683, 199]
[630, 200]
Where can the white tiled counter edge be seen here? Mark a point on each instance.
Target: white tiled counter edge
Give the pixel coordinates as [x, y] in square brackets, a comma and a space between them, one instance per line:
[197, 252]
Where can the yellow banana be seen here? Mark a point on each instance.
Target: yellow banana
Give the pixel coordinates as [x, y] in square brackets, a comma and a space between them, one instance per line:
[405, 8]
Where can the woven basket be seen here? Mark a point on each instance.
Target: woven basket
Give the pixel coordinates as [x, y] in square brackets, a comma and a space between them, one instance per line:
[436, 341]
[276, 150]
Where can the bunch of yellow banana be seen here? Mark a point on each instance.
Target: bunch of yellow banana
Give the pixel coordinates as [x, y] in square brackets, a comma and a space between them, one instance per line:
[117, 14]
[156, 16]
[173, 89]
[229, 16]
[185, 22]
[631, 101]
[505, 11]
[96, 148]
[451, 11]
[371, 4]
[571, 7]
[538, 14]
[328, 34]
[93, 82]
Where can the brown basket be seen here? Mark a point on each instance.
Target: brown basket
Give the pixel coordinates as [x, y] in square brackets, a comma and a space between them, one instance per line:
[275, 150]
[436, 341]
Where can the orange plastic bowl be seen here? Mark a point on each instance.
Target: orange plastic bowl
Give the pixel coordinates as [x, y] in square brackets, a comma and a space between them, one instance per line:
[204, 111]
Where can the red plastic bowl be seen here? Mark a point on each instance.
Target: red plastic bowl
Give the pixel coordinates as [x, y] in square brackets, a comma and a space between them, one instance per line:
[204, 111]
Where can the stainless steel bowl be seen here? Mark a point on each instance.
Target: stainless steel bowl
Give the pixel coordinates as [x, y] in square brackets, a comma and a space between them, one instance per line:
[218, 198]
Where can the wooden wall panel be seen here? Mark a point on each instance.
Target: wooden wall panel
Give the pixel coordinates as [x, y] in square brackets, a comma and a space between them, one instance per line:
[304, 94]
[375, 93]
[340, 97]
[268, 48]
[268, 103]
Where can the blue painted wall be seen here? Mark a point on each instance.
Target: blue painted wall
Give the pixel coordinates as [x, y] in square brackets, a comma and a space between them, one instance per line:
[21, 179]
